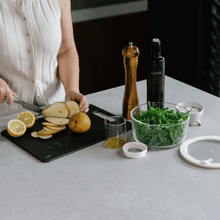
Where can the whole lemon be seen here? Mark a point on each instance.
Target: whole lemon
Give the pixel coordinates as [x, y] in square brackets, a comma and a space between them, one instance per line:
[79, 122]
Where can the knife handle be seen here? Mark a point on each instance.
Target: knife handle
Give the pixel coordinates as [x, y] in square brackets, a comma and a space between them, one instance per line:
[15, 100]
[6, 99]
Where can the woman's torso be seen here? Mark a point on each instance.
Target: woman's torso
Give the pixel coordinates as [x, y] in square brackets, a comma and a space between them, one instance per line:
[30, 38]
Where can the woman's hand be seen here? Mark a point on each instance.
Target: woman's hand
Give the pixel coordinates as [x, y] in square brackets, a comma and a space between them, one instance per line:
[5, 91]
[81, 99]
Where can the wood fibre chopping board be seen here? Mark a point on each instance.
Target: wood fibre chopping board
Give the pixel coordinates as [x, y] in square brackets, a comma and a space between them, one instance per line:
[64, 142]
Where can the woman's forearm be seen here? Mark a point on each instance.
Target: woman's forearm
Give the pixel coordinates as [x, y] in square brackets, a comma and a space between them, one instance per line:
[68, 68]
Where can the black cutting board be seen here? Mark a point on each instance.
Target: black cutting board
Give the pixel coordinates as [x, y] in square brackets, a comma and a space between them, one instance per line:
[64, 142]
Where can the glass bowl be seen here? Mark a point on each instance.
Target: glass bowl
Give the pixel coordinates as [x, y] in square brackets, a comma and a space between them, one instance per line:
[161, 136]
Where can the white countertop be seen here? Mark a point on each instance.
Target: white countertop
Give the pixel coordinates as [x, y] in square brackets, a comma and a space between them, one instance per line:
[87, 14]
[99, 183]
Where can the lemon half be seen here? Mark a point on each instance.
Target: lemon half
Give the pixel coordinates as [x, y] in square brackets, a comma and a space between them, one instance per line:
[16, 128]
[27, 117]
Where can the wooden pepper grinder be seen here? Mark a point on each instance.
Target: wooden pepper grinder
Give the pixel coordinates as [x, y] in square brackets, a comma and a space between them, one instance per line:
[130, 100]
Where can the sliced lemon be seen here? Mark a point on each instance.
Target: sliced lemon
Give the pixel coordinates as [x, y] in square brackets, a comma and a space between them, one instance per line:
[45, 136]
[58, 128]
[48, 131]
[27, 117]
[16, 128]
[49, 124]
[35, 134]
[57, 121]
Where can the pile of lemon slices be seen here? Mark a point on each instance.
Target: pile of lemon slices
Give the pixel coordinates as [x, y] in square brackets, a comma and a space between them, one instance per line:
[50, 127]
[17, 127]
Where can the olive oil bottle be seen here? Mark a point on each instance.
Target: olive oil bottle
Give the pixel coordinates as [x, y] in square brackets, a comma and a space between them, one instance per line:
[155, 73]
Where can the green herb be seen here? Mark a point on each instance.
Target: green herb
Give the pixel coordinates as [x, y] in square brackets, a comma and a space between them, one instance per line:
[162, 126]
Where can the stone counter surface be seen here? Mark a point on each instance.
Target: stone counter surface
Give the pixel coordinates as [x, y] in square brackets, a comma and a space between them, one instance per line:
[99, 183]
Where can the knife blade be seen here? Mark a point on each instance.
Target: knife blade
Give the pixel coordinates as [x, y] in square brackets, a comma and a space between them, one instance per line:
[104, 116]
[27, 105]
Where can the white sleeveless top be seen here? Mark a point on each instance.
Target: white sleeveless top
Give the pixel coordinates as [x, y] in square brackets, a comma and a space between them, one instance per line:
[30, 38]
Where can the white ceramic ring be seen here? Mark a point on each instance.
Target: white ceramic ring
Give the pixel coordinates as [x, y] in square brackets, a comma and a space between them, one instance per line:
[135, 149]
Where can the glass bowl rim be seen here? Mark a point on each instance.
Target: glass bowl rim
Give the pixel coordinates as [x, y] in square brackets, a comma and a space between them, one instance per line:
[131, 114]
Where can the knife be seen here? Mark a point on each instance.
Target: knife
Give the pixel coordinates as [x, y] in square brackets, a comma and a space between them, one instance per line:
[27, 105]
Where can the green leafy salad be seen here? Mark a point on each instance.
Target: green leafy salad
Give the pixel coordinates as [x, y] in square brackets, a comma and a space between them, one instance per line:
[162, 126]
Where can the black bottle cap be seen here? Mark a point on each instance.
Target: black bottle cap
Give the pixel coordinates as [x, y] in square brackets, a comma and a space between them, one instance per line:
[155, 48]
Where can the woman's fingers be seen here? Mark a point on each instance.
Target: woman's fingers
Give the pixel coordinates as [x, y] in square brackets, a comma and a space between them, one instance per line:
[84, 105]
[81, 99]
[10, 97]
[6, 92]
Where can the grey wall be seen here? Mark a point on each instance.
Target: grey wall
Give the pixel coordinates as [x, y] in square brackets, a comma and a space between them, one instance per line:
[84, 4]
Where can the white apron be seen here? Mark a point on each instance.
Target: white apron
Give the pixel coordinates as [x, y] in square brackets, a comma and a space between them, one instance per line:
[30, 38]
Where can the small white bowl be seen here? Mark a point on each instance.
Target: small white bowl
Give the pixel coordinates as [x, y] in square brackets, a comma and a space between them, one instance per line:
[195, 114]
[135, 149]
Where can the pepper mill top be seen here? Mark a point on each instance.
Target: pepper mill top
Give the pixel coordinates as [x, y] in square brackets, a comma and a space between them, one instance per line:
[130, 51]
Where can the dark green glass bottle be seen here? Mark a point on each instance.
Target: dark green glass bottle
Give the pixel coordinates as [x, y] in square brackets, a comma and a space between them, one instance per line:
[155, 73]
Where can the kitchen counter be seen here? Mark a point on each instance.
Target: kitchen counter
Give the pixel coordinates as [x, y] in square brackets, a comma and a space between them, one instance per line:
[99, 183]
[90, 10]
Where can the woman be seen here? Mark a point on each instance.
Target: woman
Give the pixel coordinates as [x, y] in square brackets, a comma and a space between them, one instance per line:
[38, 58]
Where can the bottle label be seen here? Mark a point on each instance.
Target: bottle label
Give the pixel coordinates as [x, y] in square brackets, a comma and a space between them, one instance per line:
[156, 73]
